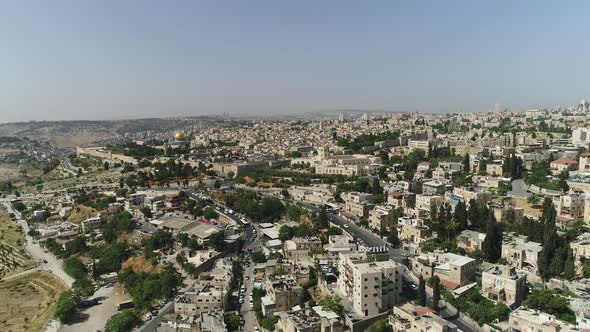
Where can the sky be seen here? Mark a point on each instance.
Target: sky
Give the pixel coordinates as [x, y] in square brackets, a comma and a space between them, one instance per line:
[125, 59]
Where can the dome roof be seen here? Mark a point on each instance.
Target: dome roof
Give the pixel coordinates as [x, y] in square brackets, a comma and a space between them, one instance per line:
[179, 136]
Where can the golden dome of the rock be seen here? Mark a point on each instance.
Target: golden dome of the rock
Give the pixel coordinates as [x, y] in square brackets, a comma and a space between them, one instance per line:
[179, 136]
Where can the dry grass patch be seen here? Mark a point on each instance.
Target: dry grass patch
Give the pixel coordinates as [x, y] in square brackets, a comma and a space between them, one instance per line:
[522, 203]
[140, 264]
[28, 302]
[81, 212]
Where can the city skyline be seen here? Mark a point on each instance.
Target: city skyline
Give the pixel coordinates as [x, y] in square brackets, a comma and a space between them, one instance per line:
[135, 60]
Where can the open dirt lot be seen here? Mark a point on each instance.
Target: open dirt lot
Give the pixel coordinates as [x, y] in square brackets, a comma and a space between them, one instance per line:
[522, 203]
[28, 301]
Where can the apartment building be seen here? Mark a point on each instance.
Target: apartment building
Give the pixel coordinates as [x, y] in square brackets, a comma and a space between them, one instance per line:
[425, 202]
[298, 321]
[581, 248]
[413, 230]
[467, 194]
[358, 204]
[570, 205]
[420, 145]
[206, 298]
[584, 164]
[494, 169]
[412, 318]
[433, 187]
[524, 320]
[283, 292]
[90, 224]
[452, 269]
[338, 243]
[518, 251]
[581, 137]
[383, 217]
[506, 213]
[297, 249]
[470, 240]
[372, 286]
[401, 199]
[501, 283]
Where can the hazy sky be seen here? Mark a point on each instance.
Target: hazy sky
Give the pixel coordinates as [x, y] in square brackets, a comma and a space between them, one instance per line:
[123, 59]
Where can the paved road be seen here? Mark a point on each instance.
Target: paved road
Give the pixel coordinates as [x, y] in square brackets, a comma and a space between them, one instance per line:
[519, 189]
[152, 325]
[46, 261]
[246, 312]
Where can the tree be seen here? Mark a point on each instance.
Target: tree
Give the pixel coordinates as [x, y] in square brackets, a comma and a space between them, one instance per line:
[217, 241]
[466, 163]
[66, 306]
[106, 165]
[322, 221]
[421, 298]
[19, 206]
[379, 326]
[569, 270]
[376, 187]
[258, 257]
[333, 302]
[392, 237]
[286, 233]
[435, 281]
[294, 212]
[460, 216]
[563, 176]
[516, 167]
[147, 212]
[217, 184]
[492, 245]
[75, 268]
[232, 321]
[122, 322]
[547, 300]
[209, 213]
[533, 200]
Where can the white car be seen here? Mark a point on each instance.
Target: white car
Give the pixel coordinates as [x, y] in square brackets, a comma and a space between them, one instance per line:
[256, 329]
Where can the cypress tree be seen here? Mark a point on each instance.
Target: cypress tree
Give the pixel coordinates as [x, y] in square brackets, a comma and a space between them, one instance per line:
[421, 298]
[569, 270]
[473, 214]
[435, 292]
[492, 245]
[466, 163]
[550, 245]
[461, 215]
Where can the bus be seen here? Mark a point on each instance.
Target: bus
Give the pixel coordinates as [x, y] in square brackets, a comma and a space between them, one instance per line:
[125, 305]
